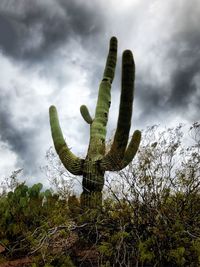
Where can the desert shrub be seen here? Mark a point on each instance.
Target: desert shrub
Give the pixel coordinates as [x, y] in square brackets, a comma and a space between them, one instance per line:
[150, 214]
[27, 216]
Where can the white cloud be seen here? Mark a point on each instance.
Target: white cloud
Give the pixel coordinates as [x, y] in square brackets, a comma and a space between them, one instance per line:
[8, 161]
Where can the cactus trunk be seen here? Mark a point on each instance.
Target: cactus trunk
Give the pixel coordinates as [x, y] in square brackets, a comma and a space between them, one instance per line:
[93, 167]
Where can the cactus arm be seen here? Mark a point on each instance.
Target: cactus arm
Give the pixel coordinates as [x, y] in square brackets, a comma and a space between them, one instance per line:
[109, 71]
[132, 148]
[85, 114]
[118, 148]
[126, 102]
[72, 163]
[114, 164]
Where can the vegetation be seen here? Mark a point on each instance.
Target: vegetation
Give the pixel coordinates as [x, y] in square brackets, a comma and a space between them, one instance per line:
[93, 167]
[150, 213]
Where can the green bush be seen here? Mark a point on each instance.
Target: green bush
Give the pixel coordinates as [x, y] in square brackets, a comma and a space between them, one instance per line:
[149, 218]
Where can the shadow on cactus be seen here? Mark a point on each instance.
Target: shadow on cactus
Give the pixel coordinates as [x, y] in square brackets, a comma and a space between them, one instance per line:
[97, 161]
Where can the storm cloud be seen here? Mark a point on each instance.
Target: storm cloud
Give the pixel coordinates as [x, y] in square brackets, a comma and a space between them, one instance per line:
[172, 87]
[54, 51]
[35, 29]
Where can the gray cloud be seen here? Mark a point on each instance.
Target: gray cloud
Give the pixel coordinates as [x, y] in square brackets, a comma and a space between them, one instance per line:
[20, 137]
[34, 29]
[65, 43]
[186, 56]
[33, 32]
[181, 63]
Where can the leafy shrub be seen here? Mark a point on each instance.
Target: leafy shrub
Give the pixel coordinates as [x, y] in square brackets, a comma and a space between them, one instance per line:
[150, 217]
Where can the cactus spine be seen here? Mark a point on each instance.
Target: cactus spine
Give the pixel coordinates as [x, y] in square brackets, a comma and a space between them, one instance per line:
[93, 167]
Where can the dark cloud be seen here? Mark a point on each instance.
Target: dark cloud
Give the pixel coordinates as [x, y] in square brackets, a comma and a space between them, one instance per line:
[183, 87]
[33, 29]
[181, 62]
[185, 53]
[21, 139]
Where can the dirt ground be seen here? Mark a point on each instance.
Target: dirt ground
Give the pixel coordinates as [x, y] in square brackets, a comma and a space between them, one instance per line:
[24, 262]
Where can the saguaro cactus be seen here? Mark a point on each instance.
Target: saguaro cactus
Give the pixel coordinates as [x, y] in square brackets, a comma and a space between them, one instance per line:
[97, 161]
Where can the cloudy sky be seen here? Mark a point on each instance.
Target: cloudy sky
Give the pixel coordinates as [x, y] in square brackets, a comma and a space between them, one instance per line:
[54, 51]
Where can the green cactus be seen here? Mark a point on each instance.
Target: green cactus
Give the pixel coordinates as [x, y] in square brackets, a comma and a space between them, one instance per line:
[97, 161]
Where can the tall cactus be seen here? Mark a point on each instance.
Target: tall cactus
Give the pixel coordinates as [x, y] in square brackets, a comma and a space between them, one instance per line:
[97, 161]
